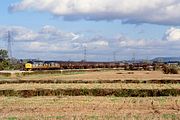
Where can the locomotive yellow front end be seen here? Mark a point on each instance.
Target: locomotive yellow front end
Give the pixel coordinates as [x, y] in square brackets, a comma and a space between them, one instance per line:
[28, 66]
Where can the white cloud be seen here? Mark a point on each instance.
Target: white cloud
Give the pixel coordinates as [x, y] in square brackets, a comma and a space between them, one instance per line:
[19, 33]
[97, 45]
[129, 11]
[173, 34]
[126, 42]
[37, 46]
[54, 34]
[51, 40]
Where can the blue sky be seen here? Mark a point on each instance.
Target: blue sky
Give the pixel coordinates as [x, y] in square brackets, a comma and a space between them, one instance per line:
[59, 32]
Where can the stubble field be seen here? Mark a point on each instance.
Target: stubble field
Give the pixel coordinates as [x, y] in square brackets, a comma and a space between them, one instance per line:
[91, 95]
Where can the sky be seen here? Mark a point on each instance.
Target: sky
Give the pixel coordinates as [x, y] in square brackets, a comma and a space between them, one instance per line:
[107, 29]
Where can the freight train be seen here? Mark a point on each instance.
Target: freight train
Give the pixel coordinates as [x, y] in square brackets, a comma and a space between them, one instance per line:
[58, 65]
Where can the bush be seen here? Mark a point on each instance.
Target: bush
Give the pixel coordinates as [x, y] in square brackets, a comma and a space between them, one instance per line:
[165, 69]
[170, 70]
[4, 65]
[173, 70]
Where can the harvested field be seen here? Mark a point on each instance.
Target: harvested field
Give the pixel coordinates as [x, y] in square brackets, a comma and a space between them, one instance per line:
[103, 108]
[90, 81]
[107, 75]
[104, 95]
[99, 75]
[88, 86]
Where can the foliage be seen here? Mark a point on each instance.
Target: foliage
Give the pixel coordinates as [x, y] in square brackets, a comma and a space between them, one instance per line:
[170, 70]
[3, 54]
[8, 64]
[4, 63]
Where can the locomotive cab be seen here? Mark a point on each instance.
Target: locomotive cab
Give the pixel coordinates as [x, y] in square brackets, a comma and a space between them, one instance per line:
[29, 66]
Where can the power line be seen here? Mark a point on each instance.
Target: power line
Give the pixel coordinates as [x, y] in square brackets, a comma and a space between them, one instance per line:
[85, 53]
[9, 46]
[114, 56]
[133, 57]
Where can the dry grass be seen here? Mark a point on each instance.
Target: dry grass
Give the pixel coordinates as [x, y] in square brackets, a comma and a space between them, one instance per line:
[106, 75]
[100, 75]
[89, 108]
[35, 86]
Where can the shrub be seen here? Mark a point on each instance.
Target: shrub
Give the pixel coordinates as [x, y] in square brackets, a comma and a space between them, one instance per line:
[173, 70]
[170, 70]
[165, 69]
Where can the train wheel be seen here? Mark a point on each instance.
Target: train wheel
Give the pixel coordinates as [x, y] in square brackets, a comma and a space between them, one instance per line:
[28, 69]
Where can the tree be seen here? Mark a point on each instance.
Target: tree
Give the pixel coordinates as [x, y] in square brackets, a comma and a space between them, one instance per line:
[3, 55]
[4, 62]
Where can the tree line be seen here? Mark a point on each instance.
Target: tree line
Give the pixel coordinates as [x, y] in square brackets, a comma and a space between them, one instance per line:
[8, 64]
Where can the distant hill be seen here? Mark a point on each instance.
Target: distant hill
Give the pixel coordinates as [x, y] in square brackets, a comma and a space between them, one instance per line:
[166, 59]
